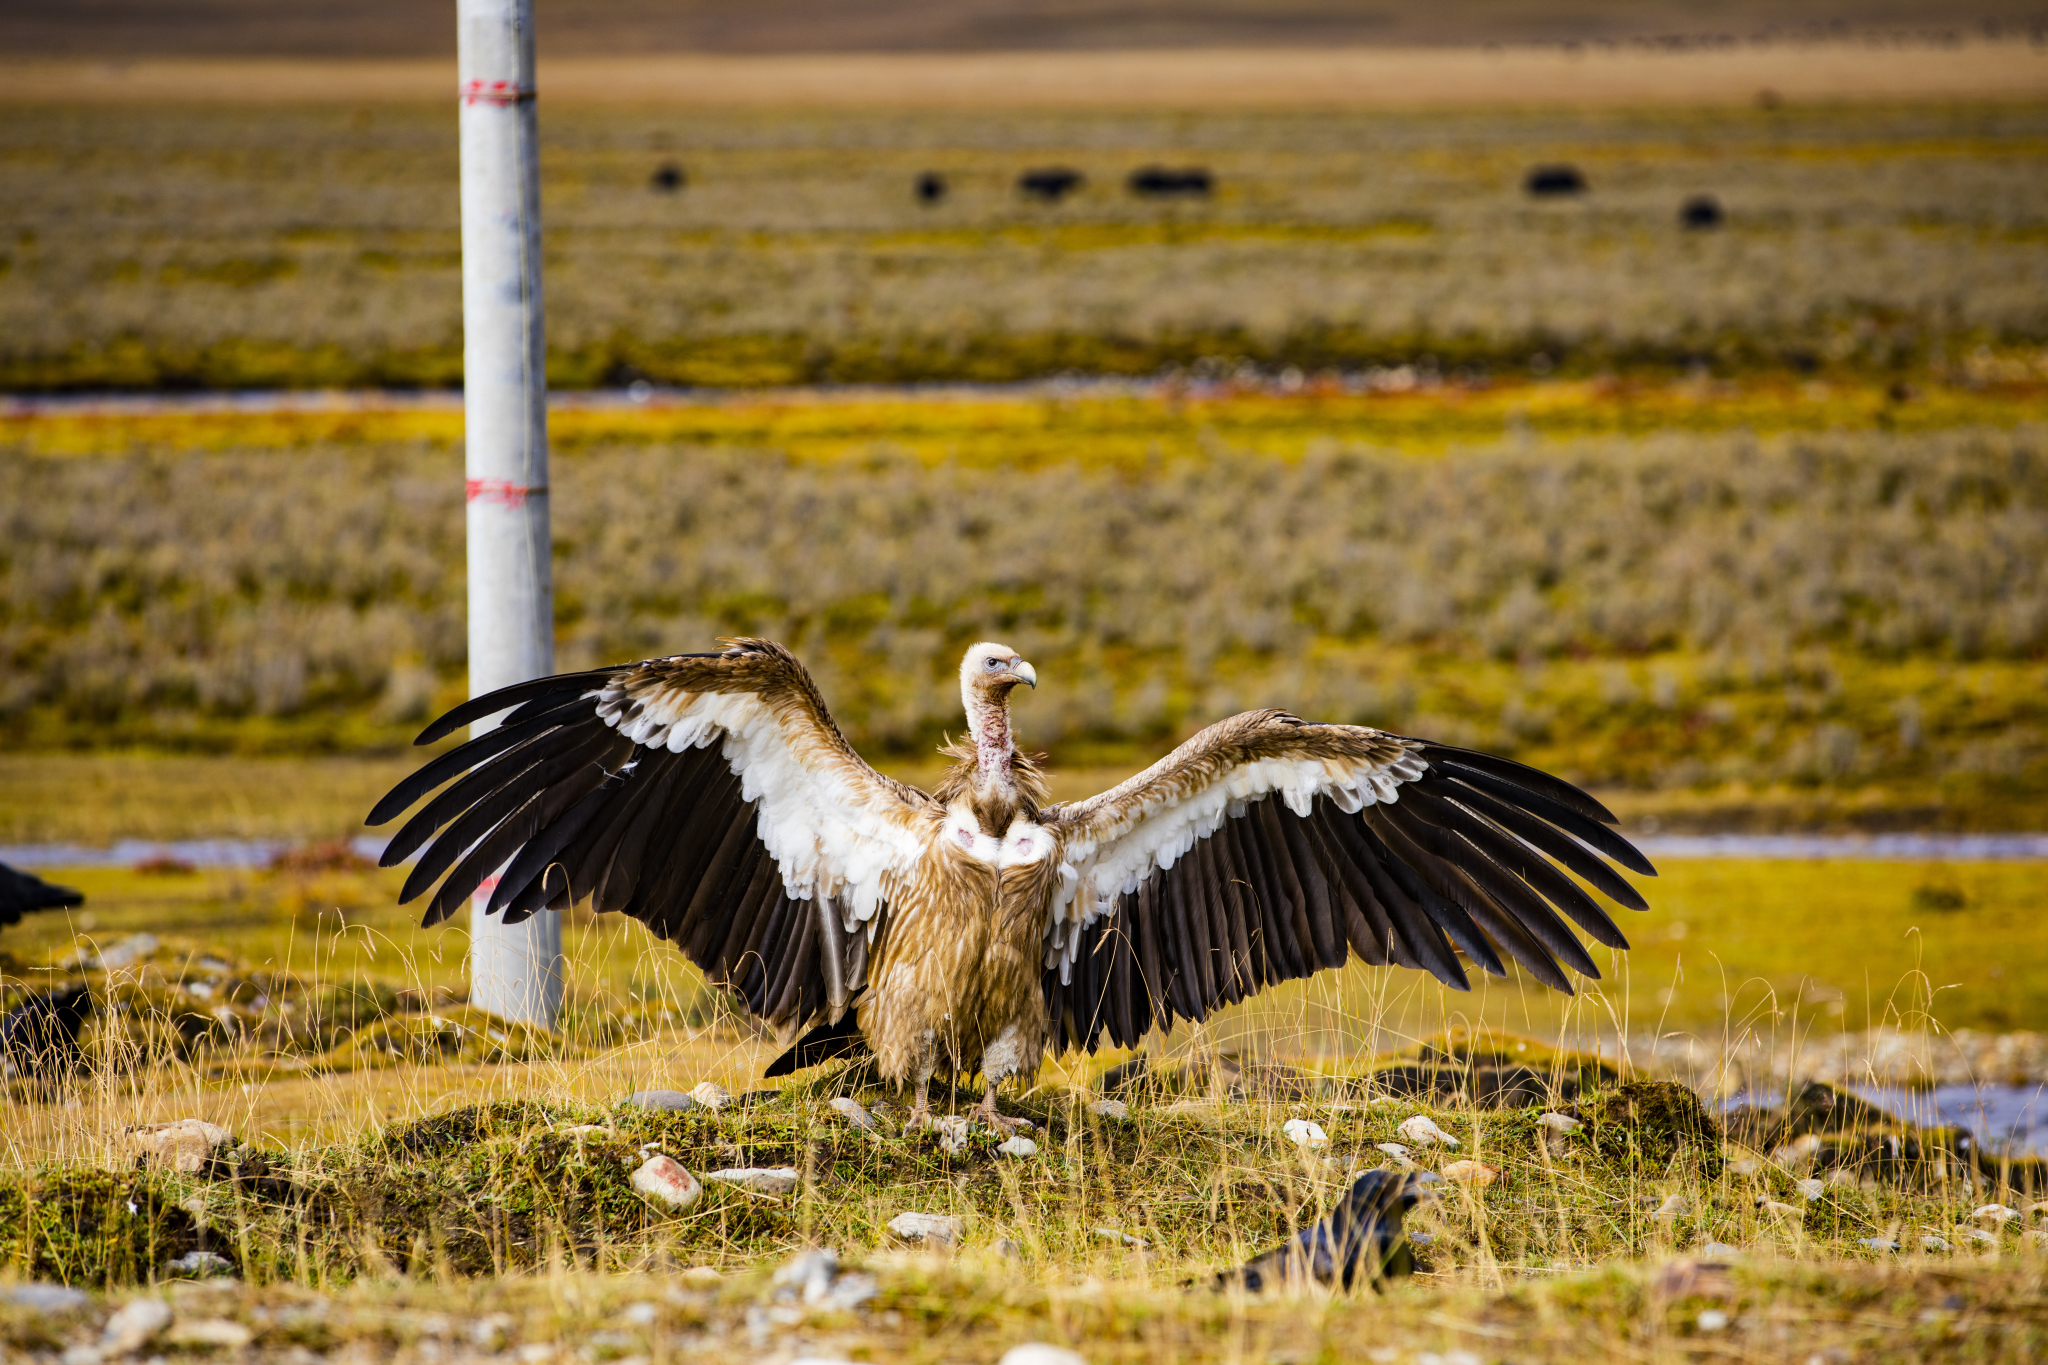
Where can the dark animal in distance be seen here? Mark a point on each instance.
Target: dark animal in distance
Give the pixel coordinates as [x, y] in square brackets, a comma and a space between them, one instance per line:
[39, 1037]
[1700, 212]
[1362, 1234]
[1547, 182]
[931, 187]
[23, 893]
[979, 925]
[1050, 183]
[1168, 181]
[667, 178]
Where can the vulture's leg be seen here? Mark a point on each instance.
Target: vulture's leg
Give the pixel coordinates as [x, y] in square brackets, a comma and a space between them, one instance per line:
[921, 1111]
[987, 1113]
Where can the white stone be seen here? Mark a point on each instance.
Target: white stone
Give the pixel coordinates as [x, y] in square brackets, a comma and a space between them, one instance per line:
[1469, 1172]
[1423, 1132]
[928, 1229]
[642, 1314]
[662, 1180]
[807, 1275]
[1711, 1320]
[952, 1131]
[1039, 1353]
[1396, 1151]
[1777, 1210]
[1980, 1237]
[201, 1265]
[1302, 1133]
[1559, 1123]
[1810, 1188]
[1018, 1146]
[126, 953]
[1674, 1206]
[219, 1334]
[759, 1179]
[135, 1325]
[1933, 1243]
[1878, 1244]
[45, 1298]
[711, 1095]
[849, 1108]
[662, 1099]
[1110, 1109]
[1119, 1236]
[183, 1145]
[1719, 1251]
[1993, 1215]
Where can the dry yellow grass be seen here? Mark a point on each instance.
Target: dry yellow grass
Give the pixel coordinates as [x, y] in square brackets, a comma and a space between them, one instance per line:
[1272, 78]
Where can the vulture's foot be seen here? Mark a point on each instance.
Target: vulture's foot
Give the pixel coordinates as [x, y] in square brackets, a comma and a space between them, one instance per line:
[919, 1120]
[986, 1112]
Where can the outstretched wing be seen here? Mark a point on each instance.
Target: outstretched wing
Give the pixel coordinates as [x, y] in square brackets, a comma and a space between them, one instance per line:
[1267, 848]
[709, 796]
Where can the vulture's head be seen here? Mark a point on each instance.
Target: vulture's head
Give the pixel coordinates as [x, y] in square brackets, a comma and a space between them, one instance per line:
[989, 672]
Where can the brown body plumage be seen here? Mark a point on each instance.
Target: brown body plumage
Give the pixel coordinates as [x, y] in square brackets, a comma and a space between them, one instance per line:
[973, 927]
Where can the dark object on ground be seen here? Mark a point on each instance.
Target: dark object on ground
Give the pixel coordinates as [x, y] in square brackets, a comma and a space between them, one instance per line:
[22, 893]
[1652, 1122]
[39, 1037]
[1172, 180]
[1362, 1234]
[667, 178]
[1701, 212]
[931, 187]
[1546, 181]
[1050, 183]
[820, 1045]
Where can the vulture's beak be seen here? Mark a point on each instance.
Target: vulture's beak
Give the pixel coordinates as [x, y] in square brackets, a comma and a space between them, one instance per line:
[1025, 673]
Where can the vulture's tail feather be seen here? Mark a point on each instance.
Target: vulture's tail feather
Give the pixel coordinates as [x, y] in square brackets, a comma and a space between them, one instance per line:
[820, 1045]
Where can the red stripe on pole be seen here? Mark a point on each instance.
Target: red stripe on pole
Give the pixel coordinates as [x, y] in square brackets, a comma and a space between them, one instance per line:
[494, 92]
[504, 492]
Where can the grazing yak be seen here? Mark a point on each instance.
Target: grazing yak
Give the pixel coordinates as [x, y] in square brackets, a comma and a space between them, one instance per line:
[975, 926]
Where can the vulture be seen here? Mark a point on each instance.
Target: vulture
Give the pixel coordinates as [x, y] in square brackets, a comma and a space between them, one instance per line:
[23, 892]
[975, 926]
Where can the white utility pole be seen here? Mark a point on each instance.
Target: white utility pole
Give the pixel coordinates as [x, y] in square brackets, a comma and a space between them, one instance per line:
[515, 971]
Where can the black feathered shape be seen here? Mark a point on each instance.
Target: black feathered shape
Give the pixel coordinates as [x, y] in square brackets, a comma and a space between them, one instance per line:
[1458, 869]
[23, 893]
[1361, 1239]
[39, 1037]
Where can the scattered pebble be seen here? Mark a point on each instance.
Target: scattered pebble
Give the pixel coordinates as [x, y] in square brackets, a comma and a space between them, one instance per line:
[184, 1145]
[126, 953]
[135, 1325]
[201, 1265]
[1798, 1153]
[928, 1229]
[1993, 1215]
[491, 1333]
[1878, 1244]
[1720, 1251]
[2038, 1210]
[1018, 1146]
[1039, 1353]
[1302, 1133]
[759, 1179]
[1110, 1109]
[585, 1130]
[1933, 1243]
[662, 1180]
[45, 1298]
[220, 1334]
[849, 1108]
[642, 1314]
[807, 1275]
[1010, 1249]
[1396, 1151]
[1559, 1123]
[952, 1131]
[1674, 1206]
[702, 1276]
[674, 1100]
[1119, 1236]
[1981, 1237]
[1711, 1320]
[1778, 1210]
[1423, 1132]
[711, 1095]
[1470, 1172]
[1745, 1165]
[1810, 1188]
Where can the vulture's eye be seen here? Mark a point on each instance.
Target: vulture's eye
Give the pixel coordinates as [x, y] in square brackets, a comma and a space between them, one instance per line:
[991, 663]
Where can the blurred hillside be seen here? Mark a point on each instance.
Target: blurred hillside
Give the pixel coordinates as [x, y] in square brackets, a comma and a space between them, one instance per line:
[396, 28]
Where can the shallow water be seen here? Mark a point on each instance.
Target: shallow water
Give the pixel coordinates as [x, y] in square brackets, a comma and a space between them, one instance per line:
[2010, 1120]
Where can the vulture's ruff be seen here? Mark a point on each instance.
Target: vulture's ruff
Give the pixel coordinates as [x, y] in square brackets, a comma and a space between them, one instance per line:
[711, 797]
